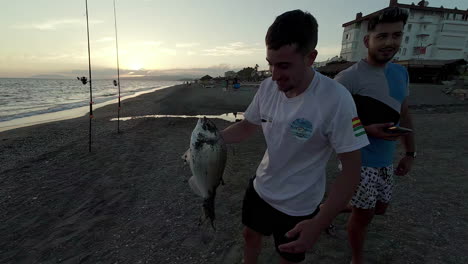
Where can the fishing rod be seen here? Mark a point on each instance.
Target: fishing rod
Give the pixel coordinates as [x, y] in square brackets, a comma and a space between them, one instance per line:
[118, 70]
[90, 83]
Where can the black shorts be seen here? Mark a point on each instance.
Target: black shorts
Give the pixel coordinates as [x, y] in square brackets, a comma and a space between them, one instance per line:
[261, 217]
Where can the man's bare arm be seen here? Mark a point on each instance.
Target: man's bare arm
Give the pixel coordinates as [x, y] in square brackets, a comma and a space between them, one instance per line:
[406, 163]
[238, 132]
[406, 121]
[343, 187]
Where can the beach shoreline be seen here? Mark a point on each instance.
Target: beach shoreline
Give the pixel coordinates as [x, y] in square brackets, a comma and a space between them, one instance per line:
[68, 113]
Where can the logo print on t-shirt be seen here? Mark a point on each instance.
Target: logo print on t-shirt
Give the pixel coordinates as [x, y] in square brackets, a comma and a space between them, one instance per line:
[301, 129]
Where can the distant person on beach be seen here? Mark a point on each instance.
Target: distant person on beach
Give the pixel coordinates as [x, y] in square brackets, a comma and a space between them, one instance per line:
[305, 116]
[380, 91]
[235, 84]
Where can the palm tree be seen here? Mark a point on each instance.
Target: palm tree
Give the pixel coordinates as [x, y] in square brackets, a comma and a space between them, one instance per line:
[256, 72]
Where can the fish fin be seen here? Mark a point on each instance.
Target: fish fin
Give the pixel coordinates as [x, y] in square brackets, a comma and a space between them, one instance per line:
[222, 181]
[186, 156]
[203, 217]
[194, 186]
[209, 208]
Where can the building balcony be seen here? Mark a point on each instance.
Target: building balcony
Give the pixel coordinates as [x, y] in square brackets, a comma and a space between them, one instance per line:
[426, 20]
[346, 41]
[453, 33]
[422, 35]
[449, 47]
[456, 22]
[419, 51]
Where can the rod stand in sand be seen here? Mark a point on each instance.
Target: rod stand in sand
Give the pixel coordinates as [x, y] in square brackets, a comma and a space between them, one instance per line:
[90, 83]
[117, 83]
[85, 81]
[118, 107]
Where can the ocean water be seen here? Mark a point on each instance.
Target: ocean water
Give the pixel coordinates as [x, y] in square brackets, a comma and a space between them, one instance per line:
[28, 97]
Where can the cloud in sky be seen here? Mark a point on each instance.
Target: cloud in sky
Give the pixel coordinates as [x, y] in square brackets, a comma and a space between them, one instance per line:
[171, 52]
[214, 70]
[47, 57]
[147, 43]
[106, 39]
[186, 45]
[236, 48]
[56, 24]
[237, 44]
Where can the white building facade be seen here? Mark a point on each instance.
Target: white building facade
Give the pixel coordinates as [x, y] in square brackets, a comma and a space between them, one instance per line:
[431, 33]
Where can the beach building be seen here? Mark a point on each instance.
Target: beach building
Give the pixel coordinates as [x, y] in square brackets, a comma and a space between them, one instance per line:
[207, 81]
[319, 64]
[230, 74]
[431, 33]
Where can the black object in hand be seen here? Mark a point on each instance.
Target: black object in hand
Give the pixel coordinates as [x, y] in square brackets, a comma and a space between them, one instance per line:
[397, 130]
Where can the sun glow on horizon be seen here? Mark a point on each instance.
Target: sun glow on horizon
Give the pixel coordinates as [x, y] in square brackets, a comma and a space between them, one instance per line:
[135, 65]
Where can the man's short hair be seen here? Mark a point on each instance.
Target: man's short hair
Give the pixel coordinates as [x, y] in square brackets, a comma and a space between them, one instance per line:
[389, 15]
[293, 27]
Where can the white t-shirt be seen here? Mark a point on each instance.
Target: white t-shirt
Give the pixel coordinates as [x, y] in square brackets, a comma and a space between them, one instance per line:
[301, 133]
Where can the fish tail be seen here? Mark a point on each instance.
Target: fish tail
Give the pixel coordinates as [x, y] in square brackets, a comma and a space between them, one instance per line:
[209, 209]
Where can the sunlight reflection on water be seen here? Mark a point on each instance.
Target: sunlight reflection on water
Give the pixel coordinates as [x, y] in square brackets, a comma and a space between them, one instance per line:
[230, 117]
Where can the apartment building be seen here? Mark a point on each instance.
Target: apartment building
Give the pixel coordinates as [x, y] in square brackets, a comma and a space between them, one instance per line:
[431, 33]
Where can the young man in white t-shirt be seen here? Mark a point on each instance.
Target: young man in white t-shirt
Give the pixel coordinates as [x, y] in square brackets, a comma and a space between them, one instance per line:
[304, 116]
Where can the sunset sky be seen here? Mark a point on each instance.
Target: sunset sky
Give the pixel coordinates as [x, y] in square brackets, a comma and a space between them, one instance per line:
[48, 37]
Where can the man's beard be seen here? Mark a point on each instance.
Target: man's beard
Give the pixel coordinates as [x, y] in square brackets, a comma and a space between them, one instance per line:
[381, 59]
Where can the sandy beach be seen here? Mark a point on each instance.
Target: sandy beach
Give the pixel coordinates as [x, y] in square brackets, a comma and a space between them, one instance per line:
[128, 200]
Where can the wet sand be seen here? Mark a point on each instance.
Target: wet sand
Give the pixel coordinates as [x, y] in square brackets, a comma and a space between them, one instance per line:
[128, 200]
